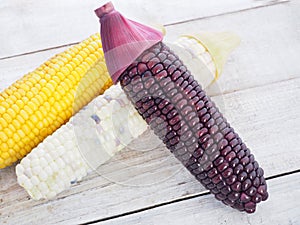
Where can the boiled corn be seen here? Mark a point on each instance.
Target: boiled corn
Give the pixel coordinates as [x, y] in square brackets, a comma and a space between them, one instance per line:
[36, 105]
[180, 113]
[98, 131]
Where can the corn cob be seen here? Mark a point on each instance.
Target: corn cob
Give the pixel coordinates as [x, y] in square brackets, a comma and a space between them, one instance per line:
[36, 105]
[60, 161]
[180, 113]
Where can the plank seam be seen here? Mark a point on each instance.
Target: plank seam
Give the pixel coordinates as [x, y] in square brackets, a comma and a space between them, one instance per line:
[272, 3]
[204, 193]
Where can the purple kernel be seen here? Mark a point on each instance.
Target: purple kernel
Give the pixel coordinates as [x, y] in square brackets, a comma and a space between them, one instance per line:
[237, 186]
[245, 198]
[231, 179]
[246, 184]
[223, 166]
[242, 177]
[227, 173]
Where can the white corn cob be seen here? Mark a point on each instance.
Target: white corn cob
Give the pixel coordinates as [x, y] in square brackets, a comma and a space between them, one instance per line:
[100, 129]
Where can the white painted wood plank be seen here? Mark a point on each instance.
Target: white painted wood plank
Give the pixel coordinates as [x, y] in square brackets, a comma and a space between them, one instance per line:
[32, 25]
[262, 57]
[282, 208]
[269, 50]
[13, 69]
[266, 117]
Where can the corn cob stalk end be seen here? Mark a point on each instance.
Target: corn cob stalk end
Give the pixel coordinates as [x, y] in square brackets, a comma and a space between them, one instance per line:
[129, 46]
[219, 45]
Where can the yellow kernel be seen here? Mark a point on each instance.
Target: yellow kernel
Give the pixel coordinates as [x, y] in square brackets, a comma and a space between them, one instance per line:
[43, 96]
[47, 106]
[5, 155]
[32, 106]
[76, 75]
[47, 77]
[15, 108]
[46, 122]
[40, 98]
[56, 80]
[17, 95]
[20, 103]
[28, 109]
[46, 91]
[5, 104]
[60, 63]
[38, 86]
[11, 152]
[90, 48]
[20, 119]
[29, 94]
[34, 90]
[12, 128]
[76, 61]
[3, 136]
[50, 87]
[93, 58]
[44, 132]
[25, 87]
[30, 84]
[16, 124]
[60, 75]
[16, 137]
[11, 112]
[43, 110]
[79, 71]
[35, 102]
[89, 61]
[98, 54]
[2, 109]
[12, 99]
[35, 131]
[79, 57]
[3, 147]
[65, 71]
[7, 117]
[26, 129]
[39, 115]
[43, 82]
[51, 72]
[8, 132]
[34, 119]
[21, 133]
[71, 65]
[40, 125]
[10, 143]
[94, 44]
[24, 114]
[61, 90]
[51, 100]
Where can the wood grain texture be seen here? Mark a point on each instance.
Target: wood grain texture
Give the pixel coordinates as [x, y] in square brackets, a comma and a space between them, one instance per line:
[282, 208]
[138, 179]
[255, 62]
[259, 93]
[269, 50]
[33, 25]
[14, 68]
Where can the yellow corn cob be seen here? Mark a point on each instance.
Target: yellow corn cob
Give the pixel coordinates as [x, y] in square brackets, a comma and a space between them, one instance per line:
[105, 126]
[36, 105]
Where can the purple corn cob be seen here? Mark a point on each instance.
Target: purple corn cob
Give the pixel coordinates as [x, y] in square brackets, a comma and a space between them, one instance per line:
[177, 109]
[191, 126]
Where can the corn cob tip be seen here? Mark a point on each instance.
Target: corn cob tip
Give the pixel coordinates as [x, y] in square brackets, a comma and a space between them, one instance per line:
[123, 37]
[219, 45]
[105, 9]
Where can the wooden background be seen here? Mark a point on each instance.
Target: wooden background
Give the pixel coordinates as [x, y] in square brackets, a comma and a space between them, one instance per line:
[259, 93]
